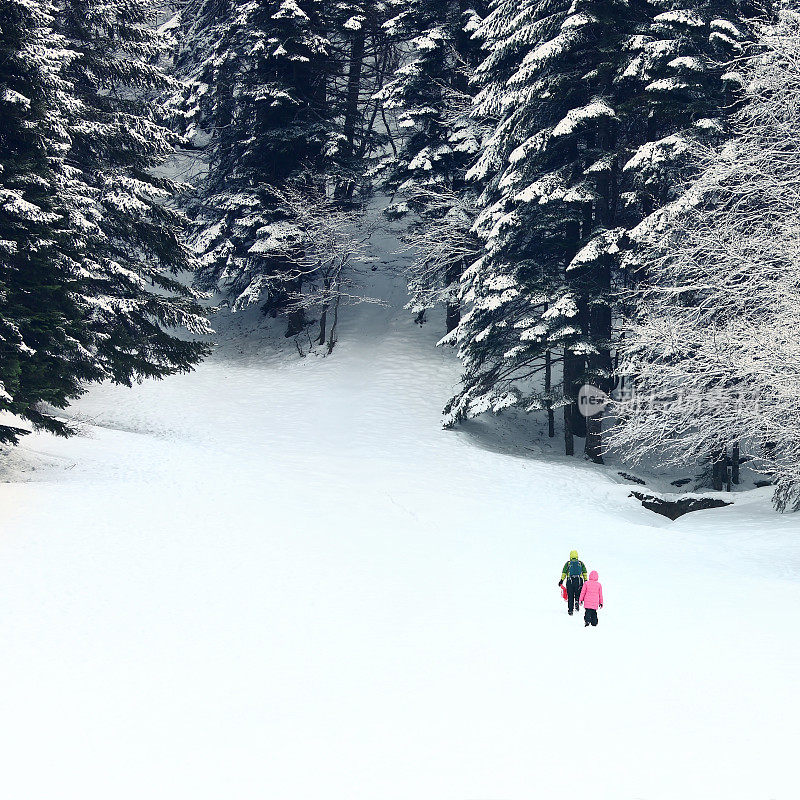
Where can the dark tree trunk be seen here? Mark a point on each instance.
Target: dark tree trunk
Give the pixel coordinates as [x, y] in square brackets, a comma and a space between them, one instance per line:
[354, 88]
[548, 382]
[719, 470]
[572, 418]
[296, 318]
[593, 448]
[599, 363]
[332, 337]
[453, 316]
[578, 420]
[296, 321]
[575, 423]
[323, 317]
[382, 60]
[735, 464]
[569, 444]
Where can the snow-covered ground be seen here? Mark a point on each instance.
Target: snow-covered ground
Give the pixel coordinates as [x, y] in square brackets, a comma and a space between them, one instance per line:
[280, 578]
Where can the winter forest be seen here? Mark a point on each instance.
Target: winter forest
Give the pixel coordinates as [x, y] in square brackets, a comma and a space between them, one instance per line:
[597, 194]
[321, 319]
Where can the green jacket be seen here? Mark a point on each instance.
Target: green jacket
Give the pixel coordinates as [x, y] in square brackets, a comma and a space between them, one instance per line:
[565, 571]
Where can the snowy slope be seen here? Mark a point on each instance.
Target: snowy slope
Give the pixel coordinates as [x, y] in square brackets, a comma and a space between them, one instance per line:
[279, 578]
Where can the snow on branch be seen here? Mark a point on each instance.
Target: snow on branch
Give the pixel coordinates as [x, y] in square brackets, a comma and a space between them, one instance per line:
[713, 353]
[322, 246]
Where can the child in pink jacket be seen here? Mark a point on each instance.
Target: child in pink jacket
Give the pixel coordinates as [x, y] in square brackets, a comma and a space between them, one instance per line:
[592, 599]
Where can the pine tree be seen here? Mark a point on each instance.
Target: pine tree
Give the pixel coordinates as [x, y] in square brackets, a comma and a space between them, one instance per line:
[261, 97]
[45, 341]
[681, 62]
[431, 96]
[550, 203]
[84, 228]
[595, 101]
[131, 240]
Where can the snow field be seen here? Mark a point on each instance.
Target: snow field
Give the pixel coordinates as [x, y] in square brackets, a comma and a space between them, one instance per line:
[281, 578]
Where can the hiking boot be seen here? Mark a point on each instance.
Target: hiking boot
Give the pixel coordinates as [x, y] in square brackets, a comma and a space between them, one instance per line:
[569, 611]
[586, 624]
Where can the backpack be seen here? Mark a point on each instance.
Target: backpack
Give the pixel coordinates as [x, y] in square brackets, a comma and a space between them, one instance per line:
[575, 568]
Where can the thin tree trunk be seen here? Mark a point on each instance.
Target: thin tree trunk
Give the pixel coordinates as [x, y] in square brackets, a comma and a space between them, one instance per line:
[577, 373]
[365, 146]
[570, 410]
[569, 443]
[323, 317]
[388, 131]
[574, 364]
[599, 363]
[296, 319]
[718, 470]
[593, 449]
[548, 381]
[453, 315]
[323, 322]
[735, 464]
[353, 88]
[332, 337]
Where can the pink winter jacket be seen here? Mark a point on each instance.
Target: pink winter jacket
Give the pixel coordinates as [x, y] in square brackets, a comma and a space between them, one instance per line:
[592, 592]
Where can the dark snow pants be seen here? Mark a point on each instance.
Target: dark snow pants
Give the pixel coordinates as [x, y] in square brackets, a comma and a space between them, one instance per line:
[574, 586]
[590, 617]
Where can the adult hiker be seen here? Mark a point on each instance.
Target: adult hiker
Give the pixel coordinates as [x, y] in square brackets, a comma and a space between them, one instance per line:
[574, 573]
[592, 599]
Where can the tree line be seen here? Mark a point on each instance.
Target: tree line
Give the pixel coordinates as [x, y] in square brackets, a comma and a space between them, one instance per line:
[556, 166]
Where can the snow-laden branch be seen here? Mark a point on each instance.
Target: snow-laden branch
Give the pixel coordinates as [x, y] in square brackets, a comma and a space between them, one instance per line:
[322, 247]
[441, 244]
[714, 353]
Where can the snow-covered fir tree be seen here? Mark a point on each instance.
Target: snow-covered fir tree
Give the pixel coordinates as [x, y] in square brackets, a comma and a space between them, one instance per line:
[131, 240]
[713, 352]
[538, 289]
[594, 102]
[45, 342]
[259, 71]
[430, 96]
[86, 232]
[680, 61]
